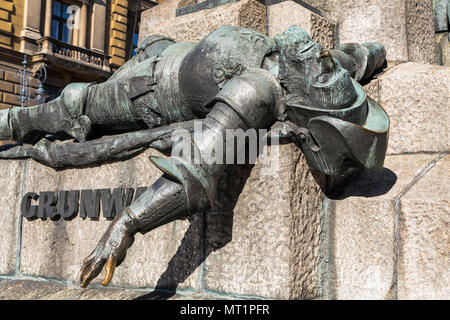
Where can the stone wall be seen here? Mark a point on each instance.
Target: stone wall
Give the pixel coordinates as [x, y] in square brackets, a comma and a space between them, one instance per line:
[389, 232]
[403, 26]
[271, 20]
[10, 86]
[246, 13]
[287, 13]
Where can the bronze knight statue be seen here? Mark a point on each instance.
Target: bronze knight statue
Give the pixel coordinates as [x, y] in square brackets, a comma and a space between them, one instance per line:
[234, 78]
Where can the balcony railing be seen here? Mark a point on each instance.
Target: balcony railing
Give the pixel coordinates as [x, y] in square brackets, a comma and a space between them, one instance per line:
[72, 52]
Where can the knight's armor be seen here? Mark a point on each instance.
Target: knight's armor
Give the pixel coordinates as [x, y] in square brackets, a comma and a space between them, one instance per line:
[179, 83]
[233, 84]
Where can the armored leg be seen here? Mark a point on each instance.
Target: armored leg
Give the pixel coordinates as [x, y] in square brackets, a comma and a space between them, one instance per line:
[64, 114]
[109, 107]
[79, 108]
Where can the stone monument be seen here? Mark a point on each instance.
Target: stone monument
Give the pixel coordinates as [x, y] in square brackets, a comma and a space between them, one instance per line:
[360, 242]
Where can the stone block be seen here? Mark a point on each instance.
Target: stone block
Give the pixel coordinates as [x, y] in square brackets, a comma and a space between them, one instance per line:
[27, 290]
[6, 86]
[424, 244]
[116, 25]
[117, 61]
[363, 248]
[264, 241]
[11, 77]
[11, 181]
[32, 289]
[153, 18]
[287, 13]
[246, 13]
[117, 51]
[10, 98]
[5, 41]
[119, 35]
[363, 227]
[416, 98]
[4, 15]
[372, 89]
[103, 294]
[420, 31]
[185, 3]
[328, 9]
[405, 28]
[375, 20]
[8, 6]
[119, 18]
[5, 26]
[55, 249]
[118, 9]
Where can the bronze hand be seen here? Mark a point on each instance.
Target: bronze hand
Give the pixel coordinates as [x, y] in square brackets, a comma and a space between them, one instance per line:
[111, 250]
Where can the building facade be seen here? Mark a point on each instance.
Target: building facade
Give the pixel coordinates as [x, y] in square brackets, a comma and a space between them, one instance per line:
[76, 40]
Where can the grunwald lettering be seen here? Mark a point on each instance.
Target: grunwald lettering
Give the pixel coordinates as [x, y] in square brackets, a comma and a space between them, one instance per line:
[67, 204]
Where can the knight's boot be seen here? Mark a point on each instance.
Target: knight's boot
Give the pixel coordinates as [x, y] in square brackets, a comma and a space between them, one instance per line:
[62, 115]
[360, 60]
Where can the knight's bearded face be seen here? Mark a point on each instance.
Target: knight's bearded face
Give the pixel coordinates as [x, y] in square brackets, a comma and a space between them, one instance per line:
[310, 75]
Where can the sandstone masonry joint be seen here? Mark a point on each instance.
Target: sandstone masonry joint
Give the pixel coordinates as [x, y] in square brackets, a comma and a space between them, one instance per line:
[397, 202]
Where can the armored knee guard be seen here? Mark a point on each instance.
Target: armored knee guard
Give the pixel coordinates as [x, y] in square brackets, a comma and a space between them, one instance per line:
[5, 125]
[73, 107]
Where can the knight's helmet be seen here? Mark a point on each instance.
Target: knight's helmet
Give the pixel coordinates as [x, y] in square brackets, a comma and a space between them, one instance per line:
[339, 128]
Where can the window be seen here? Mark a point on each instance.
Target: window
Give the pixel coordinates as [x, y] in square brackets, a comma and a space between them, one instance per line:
[135, 43]
[132, 33]
[60, 29]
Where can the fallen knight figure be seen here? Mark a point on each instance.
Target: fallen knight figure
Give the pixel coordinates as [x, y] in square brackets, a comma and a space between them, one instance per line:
[234, 78]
